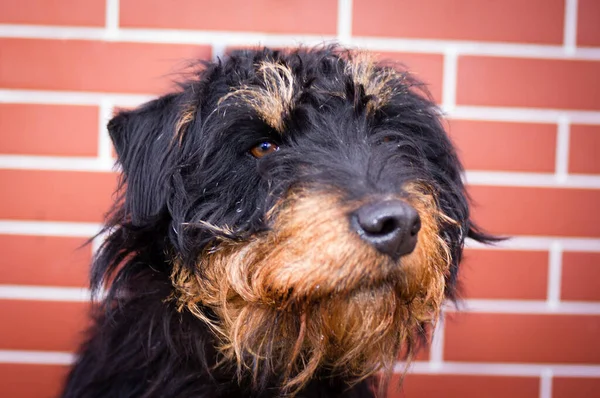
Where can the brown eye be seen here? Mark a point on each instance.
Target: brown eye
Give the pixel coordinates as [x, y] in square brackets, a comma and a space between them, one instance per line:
[264, 148]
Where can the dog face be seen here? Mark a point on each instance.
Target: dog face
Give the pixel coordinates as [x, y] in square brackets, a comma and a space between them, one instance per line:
[308, 206]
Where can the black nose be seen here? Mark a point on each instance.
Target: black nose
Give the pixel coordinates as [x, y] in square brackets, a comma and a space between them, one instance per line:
[390, 226]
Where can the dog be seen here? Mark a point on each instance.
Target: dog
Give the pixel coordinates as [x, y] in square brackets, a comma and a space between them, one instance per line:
[289, 223]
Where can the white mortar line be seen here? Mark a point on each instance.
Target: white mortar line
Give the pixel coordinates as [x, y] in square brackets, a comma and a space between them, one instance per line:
[526, 307]
[586, 53]
[344, 21]
[579, 181]
[450, 76]
[562, 149]
[71, 97]
[104, 145]
[218, 51]
[49, 228]
[96, 243]
[502, 369]
[83, 164]
[520, 179]
[36, 357]
[71, 294]
[570, 27]
[481, 48]
[51, 32]
[98, 240]
[242, 39]
[44, 293]
[112, 19]
[539, 243]
[554, 274]
[417, 367]
[87, 230]
[436, 350]
[526, 115]
[546, 383]
[175, 36]
[107, 164]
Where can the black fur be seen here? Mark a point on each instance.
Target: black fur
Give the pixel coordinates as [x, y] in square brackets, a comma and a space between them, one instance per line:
[140, 346]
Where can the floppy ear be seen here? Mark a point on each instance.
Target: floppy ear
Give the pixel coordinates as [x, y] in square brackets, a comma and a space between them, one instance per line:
[143, 139]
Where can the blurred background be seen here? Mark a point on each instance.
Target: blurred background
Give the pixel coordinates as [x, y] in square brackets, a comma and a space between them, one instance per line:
[518, 79]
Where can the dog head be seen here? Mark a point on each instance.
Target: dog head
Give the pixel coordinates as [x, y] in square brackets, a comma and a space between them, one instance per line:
[307, 205]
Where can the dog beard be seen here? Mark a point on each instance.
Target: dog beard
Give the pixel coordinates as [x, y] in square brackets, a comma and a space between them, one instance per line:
[311, 294]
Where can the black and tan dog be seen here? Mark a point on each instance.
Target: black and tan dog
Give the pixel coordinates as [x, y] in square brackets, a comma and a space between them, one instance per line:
[290, 224]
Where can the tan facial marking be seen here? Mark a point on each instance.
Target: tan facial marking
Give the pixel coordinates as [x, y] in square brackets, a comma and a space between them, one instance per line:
[273, 99]
[311, 293]
[376, 80]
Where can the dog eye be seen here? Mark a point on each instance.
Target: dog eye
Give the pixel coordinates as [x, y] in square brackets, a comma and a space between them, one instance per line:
[264, 148]
[386, 139]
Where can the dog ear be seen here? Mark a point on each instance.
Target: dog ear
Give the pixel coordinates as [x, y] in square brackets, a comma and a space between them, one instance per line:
[143, 141]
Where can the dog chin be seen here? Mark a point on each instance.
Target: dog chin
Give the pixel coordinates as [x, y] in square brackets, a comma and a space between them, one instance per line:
[356, 335]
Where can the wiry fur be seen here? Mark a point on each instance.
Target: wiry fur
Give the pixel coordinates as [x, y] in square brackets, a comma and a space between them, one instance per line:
[339, 304]
[272, 99]
[233, 276]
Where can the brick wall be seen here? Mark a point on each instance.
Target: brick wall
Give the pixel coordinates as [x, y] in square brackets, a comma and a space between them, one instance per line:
[519, 80]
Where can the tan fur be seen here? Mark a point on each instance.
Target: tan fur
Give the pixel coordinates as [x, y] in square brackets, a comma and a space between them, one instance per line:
[273, 100]
[311, 293]
[186, 116]
[376, 81]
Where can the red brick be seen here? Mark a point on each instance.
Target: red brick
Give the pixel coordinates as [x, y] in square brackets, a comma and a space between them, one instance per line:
[537, 211]
[42, 325]
[459, 386]
[48, 129]
[505, 146]
[532, 21]
[505, 274]
[273, 16]
[428, 68]
[588, 28]
[56, 195]
[94, 65]
[584, 146]
[44, 260]
[580, 276]
[422, 354]
[481, 337]
[569, 387]
[53, 12]
[31, 381]
[527, 82]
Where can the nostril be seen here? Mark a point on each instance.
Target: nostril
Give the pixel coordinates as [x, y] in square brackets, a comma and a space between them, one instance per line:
[376, 224]
[390, 226]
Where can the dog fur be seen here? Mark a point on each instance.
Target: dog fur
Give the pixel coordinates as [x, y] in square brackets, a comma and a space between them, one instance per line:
[231, 266]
